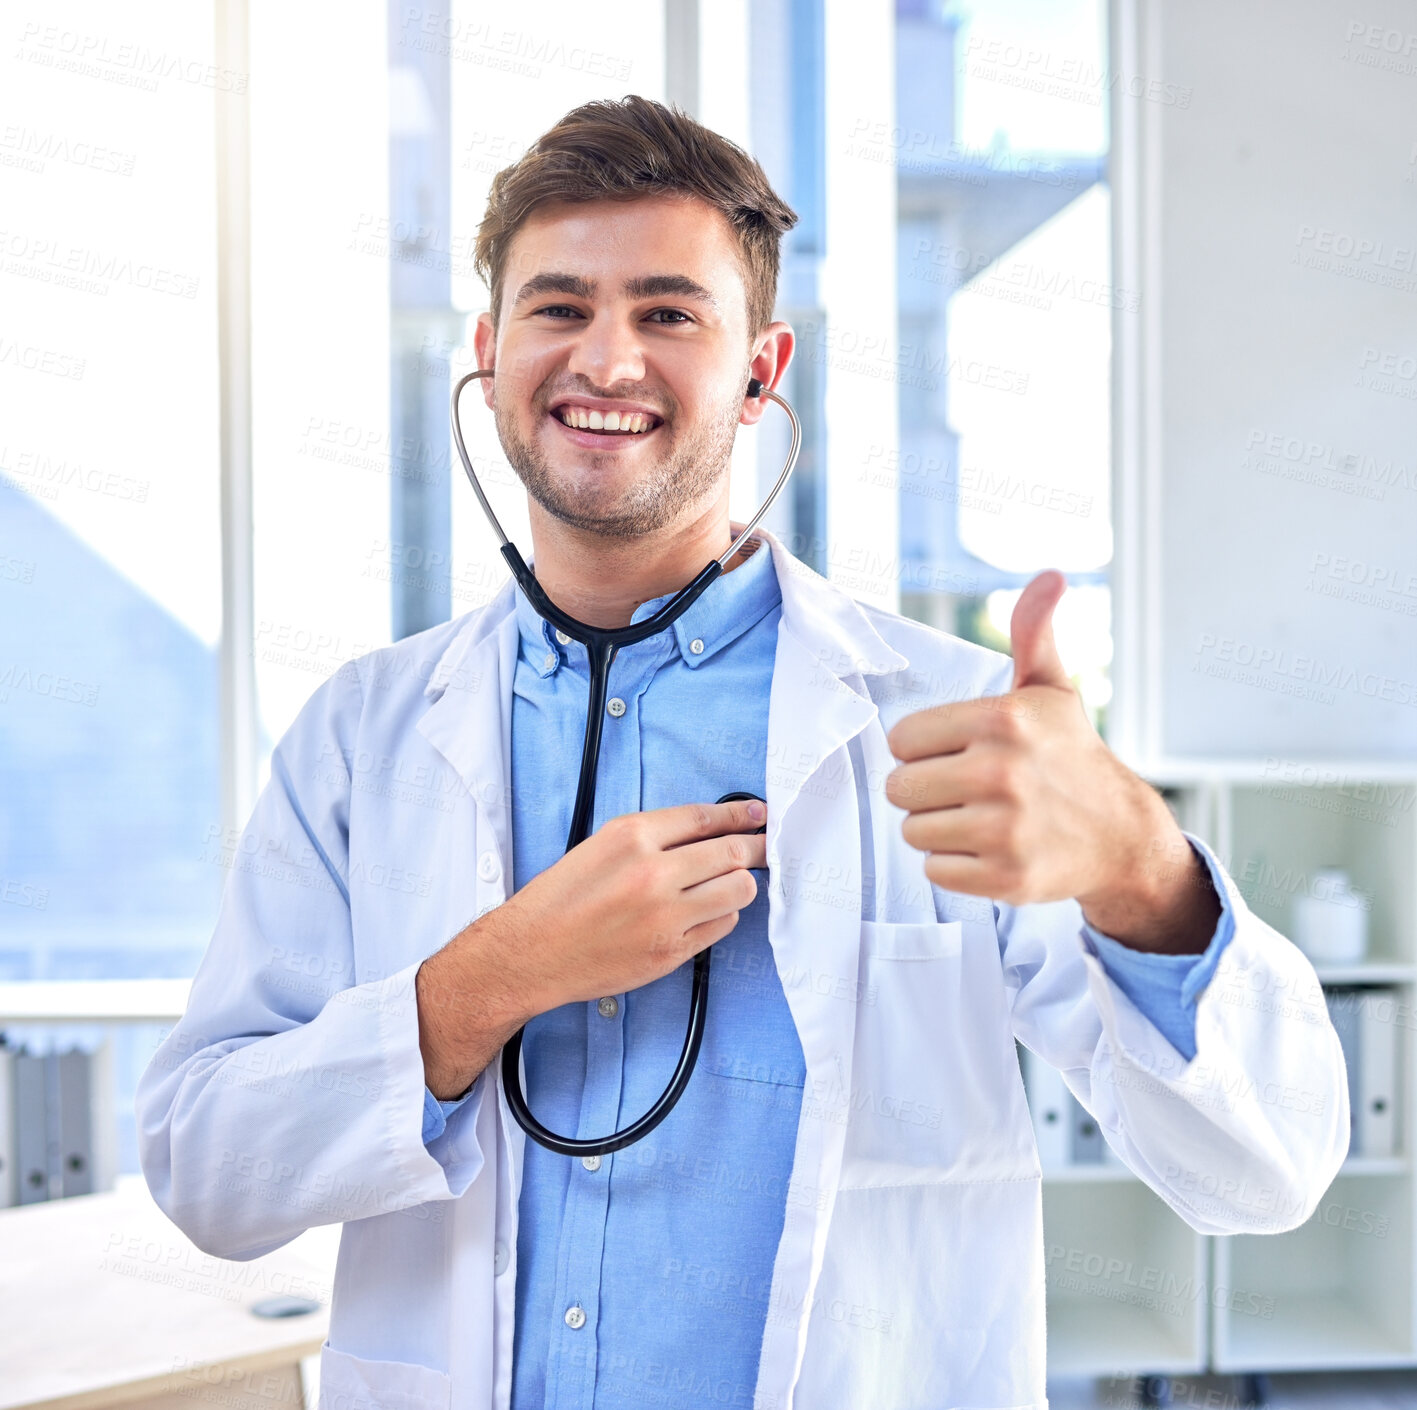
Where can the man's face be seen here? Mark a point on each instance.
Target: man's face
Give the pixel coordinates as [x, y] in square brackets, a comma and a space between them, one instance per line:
[612, 309]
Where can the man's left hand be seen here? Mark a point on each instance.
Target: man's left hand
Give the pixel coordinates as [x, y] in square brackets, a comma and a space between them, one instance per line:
[1016, 797]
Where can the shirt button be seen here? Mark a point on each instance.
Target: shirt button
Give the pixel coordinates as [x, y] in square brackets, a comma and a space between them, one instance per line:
[608, 1007]
[591, 1162]
[563, 638]
[499, 1258]
[575, 1318]
[616, 706]
[550, 661]
[488, 867]
[697, 646]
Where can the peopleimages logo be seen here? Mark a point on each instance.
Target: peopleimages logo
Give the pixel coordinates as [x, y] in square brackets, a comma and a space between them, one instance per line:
[119, 61]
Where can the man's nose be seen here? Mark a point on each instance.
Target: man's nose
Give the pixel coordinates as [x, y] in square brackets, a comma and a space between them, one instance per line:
[608, 350]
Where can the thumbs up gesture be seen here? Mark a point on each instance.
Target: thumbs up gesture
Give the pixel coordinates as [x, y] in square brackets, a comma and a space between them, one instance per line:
[1016, 797]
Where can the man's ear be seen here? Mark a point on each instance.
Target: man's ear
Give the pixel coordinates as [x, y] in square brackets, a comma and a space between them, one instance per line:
[484, 347]
[773, 349]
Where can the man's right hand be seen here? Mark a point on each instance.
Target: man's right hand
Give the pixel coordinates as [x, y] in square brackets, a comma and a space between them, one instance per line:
[631, 903]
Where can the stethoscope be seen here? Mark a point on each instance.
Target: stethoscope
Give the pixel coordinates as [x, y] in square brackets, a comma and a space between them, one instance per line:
[601, 647]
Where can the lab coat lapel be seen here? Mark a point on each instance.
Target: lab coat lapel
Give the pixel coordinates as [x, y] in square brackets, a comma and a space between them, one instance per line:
[470, 720]
[826, 645]
[470, 724]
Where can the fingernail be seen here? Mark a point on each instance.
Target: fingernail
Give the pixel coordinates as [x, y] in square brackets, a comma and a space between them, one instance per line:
[757, 811]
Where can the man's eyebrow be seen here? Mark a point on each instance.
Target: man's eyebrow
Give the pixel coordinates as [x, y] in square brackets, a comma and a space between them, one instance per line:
[554, 283]
[658, 286]
[649, 286]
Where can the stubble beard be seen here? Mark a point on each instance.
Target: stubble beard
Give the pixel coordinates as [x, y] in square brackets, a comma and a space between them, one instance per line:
[688, 472]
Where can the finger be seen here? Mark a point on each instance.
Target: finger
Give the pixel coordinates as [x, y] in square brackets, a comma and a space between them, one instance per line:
[946, 729]
[970, 876]
[971, 830]
[945, 781]
[1035, 651]
[718, 896]
[700, 937]
[691, 822]
[695, 862]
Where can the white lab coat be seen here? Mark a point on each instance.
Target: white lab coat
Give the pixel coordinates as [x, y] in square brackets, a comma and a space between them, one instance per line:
[910, 1271]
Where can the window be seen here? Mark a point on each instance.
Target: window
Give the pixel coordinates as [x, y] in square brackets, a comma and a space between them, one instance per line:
[1006, 300]
[110, 555]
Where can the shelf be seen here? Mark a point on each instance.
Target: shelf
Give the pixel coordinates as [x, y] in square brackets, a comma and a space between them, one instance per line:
[1087, 1337]
[93, 1000]
[1288, 773]
[1125, 1279]
[1280, 835]
[1320, 1331]
[1336, 1292]
[1369, 972]
[1374, 1165]
[1087, 1174]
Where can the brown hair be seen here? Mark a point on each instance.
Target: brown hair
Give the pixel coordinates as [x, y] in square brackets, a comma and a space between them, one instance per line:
[621, 151]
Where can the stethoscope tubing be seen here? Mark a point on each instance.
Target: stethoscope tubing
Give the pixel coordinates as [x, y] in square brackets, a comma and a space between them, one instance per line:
[601, 646]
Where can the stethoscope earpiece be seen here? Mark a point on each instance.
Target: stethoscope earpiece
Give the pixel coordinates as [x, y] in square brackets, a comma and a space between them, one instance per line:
[755, 387]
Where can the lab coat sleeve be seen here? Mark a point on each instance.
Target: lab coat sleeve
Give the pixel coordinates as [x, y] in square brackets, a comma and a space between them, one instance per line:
[1242, 1137]
[287, 1095]
[1165, 987]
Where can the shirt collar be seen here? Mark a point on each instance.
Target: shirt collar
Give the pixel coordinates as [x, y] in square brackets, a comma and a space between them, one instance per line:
[726, 609]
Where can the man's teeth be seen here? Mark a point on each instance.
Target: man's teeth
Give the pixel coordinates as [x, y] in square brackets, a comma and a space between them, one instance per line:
[632, 422]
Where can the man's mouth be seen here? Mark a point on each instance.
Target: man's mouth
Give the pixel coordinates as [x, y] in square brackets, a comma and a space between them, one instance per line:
[606, 422]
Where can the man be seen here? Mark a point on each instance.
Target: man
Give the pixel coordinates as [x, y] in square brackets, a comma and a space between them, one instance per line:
[844, 1208]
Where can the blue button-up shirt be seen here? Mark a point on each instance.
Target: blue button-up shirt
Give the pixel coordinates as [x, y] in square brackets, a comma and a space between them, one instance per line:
[646, 1278]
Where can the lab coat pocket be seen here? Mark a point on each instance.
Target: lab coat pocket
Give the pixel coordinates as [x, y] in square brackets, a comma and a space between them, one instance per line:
[910, 940]
[355, 1383]
[898, 1127]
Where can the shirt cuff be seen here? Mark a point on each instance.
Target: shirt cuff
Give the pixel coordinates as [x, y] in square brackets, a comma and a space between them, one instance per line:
[1166, 987]
[436, 1113]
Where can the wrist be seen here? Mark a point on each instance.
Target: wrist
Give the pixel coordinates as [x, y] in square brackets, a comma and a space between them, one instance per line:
[437, 1026]
[467, 1009]
[494, 962]
[1158, 893]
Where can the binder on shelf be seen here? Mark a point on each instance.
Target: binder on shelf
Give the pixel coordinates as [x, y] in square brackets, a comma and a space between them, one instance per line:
[1375, 1100]
[101, 1128]
[1343, 1008]
[9, 1160]
[1085, 1135]
[58, 1132]
[31, 1127]
[74, 1070]
[1048, 1099]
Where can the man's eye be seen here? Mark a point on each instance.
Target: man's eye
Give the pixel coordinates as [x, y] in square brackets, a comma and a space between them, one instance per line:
[674, 316]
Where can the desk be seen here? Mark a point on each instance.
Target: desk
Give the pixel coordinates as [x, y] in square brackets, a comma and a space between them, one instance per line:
[105, 1302]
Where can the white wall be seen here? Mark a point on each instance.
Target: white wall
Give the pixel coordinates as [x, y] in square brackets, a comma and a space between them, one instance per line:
[1265, 157]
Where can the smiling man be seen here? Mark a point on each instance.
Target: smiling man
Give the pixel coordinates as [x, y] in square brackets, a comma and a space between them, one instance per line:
[844, 1207]
[629, 332]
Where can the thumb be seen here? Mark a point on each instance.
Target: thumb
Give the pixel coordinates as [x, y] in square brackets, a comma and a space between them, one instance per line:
[1036, 659]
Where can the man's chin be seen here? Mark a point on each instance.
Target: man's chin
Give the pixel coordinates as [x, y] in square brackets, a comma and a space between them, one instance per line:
[601, 519]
